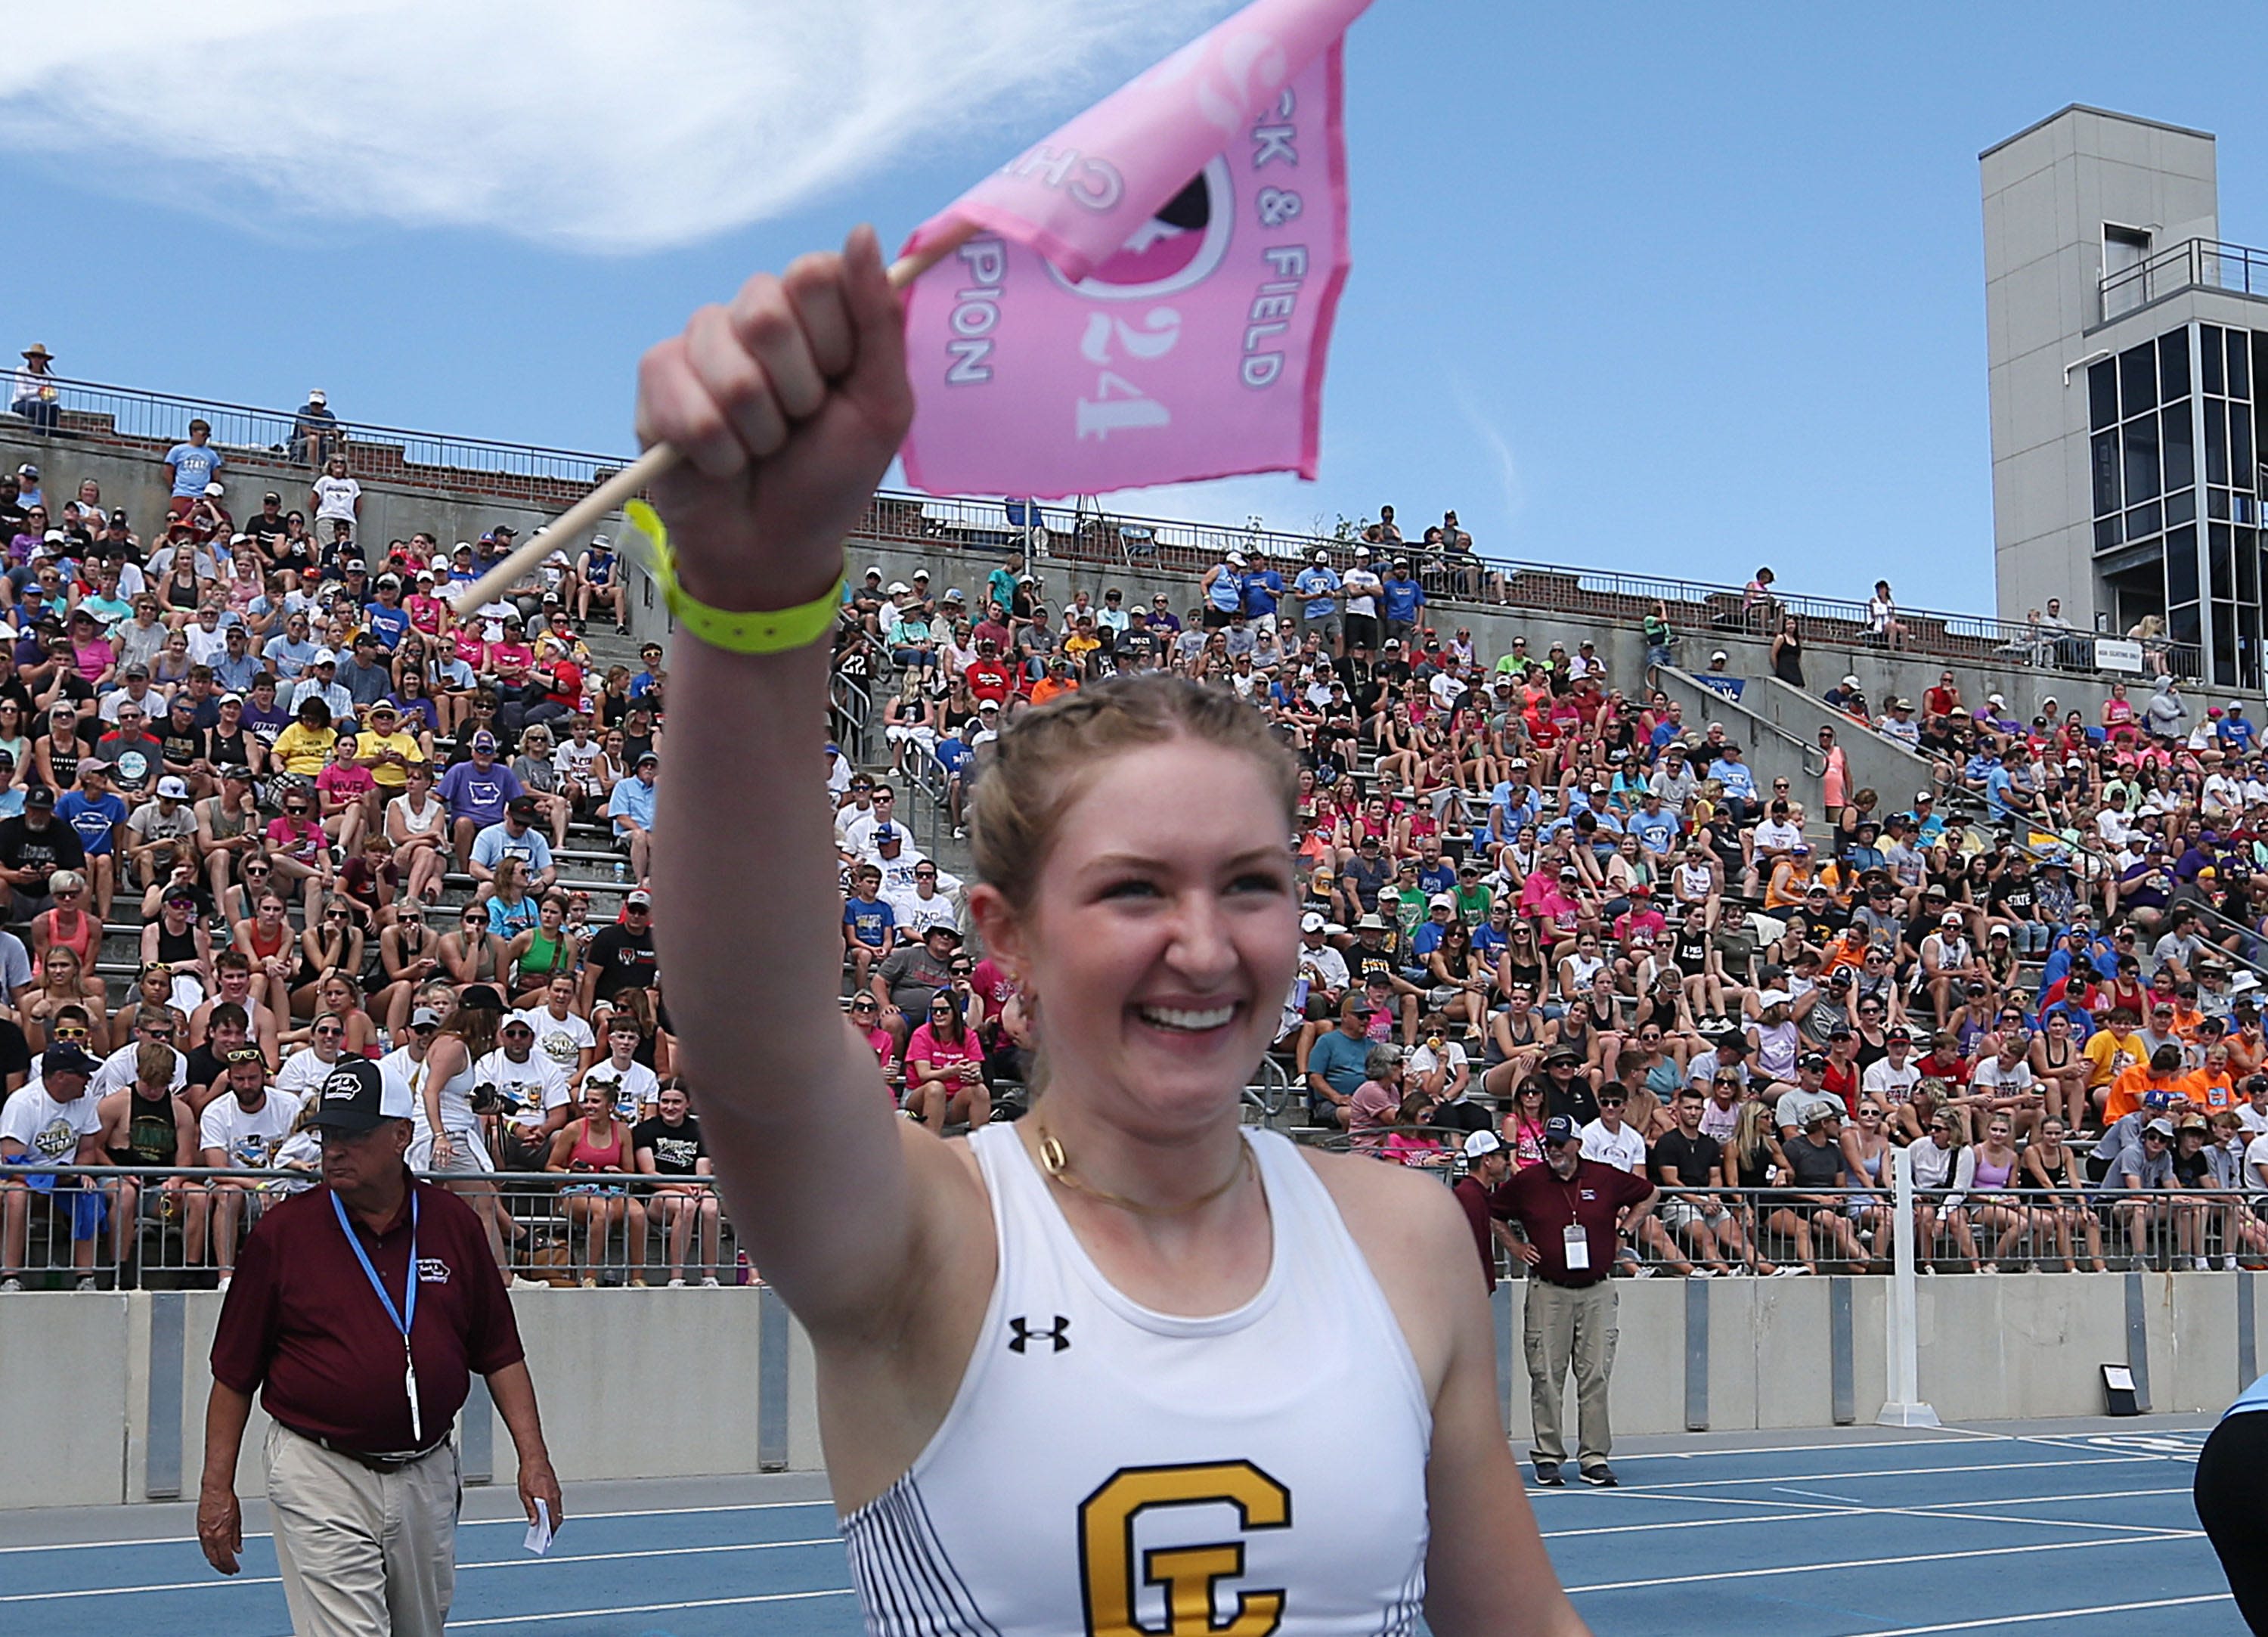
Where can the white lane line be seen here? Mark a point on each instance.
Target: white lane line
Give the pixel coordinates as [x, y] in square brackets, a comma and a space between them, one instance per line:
[652, 1608]
[1821, 1494]
[1694, 1523]
[1937, 1435]
[218, 1581]
[525, 1562]
[1935, 1511]
[2051, 1614]
[1649, 1488]
[1863, 1563]
[463, 1523]
[2095, 1440]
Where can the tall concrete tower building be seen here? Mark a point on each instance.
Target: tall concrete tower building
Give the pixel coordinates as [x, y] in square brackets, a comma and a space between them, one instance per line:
[2126, 345]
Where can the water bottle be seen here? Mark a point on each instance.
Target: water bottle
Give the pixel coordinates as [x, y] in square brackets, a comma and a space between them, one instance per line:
[622, 872]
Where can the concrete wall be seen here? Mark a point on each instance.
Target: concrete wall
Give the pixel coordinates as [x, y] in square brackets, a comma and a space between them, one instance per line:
[1734, 1354]
[671, 1384]
[633, 1383]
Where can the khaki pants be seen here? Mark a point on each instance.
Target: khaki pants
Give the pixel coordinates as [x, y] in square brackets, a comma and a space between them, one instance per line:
[1564, 1327]
[363, 1553]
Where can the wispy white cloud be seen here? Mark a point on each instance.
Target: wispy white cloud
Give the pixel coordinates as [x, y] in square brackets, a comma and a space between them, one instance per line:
[602, 125]
[1512, 489]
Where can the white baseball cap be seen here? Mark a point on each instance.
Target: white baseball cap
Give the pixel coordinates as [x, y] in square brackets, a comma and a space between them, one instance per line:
[1481, 1144]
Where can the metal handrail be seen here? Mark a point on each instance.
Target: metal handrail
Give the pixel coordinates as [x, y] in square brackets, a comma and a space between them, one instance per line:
[926, 774]
[97, 412]
[1815, 760]
[2192, 264]
[849, 707]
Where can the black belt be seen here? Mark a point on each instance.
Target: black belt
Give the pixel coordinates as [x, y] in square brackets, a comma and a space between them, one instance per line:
[1569, 1284]
[364, 1457]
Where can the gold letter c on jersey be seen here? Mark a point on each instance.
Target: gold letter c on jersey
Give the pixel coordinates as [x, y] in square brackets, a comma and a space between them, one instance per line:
[1187, 1575]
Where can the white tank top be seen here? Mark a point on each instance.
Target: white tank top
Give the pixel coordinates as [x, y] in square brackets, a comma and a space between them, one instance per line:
[1108, 1469]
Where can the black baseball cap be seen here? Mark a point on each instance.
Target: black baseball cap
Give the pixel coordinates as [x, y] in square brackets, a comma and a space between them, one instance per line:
[357, 1096]
[66, 1058]
[1560, 1129]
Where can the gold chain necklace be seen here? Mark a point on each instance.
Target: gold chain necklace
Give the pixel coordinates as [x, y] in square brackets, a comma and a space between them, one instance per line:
[1057, 1164]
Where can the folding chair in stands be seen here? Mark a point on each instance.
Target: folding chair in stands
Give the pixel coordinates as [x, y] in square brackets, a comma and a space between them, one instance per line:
[1138, 544]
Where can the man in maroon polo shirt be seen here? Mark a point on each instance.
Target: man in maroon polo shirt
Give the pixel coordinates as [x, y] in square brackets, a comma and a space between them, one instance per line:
[363, 1369]
[1569, 1213]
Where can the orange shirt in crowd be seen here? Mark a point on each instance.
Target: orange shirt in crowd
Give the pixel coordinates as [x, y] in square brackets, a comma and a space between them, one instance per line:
[2127, 1090]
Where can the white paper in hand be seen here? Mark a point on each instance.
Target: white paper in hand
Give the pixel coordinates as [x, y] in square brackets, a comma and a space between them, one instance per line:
[538, 1532]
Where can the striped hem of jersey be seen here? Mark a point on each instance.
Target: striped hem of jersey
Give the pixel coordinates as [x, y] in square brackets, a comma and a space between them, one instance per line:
[905, 1580]
[1402, 1613]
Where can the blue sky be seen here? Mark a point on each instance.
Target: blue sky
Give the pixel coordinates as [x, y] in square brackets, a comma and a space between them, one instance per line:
[1657, 288]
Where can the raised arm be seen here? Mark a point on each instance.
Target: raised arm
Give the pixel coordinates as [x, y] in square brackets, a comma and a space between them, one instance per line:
[787, 405]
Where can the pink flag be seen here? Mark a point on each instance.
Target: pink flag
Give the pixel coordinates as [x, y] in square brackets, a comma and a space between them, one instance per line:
[1148, 298]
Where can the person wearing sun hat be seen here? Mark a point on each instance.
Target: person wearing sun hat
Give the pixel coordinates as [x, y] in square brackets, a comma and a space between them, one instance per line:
[33, 394]
[387, 751]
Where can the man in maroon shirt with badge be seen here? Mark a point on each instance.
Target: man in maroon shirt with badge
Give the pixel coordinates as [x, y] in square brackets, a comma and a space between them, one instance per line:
[358, 1311]
[1570, 1214]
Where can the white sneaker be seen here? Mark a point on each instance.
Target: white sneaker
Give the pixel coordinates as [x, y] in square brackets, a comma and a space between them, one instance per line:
[710, 1283]
[12, 1283]
[2228, 1263]
[521, 1282]
[1788, 1269]
[677, 1284]
[1642, 1272]
[1702, 1273]
[86, 1282]
[2201, 1265]
[225, 1278]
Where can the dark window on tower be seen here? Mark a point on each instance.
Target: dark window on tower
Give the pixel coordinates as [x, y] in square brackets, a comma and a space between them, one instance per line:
[2137, 378]
[2103, 395]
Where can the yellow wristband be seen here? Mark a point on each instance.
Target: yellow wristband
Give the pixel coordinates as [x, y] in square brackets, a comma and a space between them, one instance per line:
[775, 632]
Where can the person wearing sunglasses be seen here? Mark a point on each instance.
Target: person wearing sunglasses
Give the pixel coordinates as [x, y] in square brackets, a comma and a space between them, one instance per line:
[299, 850]
[1944, 1169]
[240, 1130]
[150, 1124]
[2139, 1181]
[325, 1043]
[945, 1069]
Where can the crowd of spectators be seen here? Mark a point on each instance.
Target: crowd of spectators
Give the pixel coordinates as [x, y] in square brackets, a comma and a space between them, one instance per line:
[326, 815]
[1531, 888]
[1535, 890]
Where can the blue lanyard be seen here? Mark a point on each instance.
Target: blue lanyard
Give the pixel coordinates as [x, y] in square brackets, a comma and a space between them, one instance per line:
[401, 1321]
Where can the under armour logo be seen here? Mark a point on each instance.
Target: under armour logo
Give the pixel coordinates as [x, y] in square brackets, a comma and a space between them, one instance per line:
[1023, 1333]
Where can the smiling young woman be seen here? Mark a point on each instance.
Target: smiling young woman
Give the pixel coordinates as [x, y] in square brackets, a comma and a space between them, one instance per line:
[1125, 1316]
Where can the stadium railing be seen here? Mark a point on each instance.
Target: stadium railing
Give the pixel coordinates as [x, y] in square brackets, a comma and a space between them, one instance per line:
[561, 1227]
